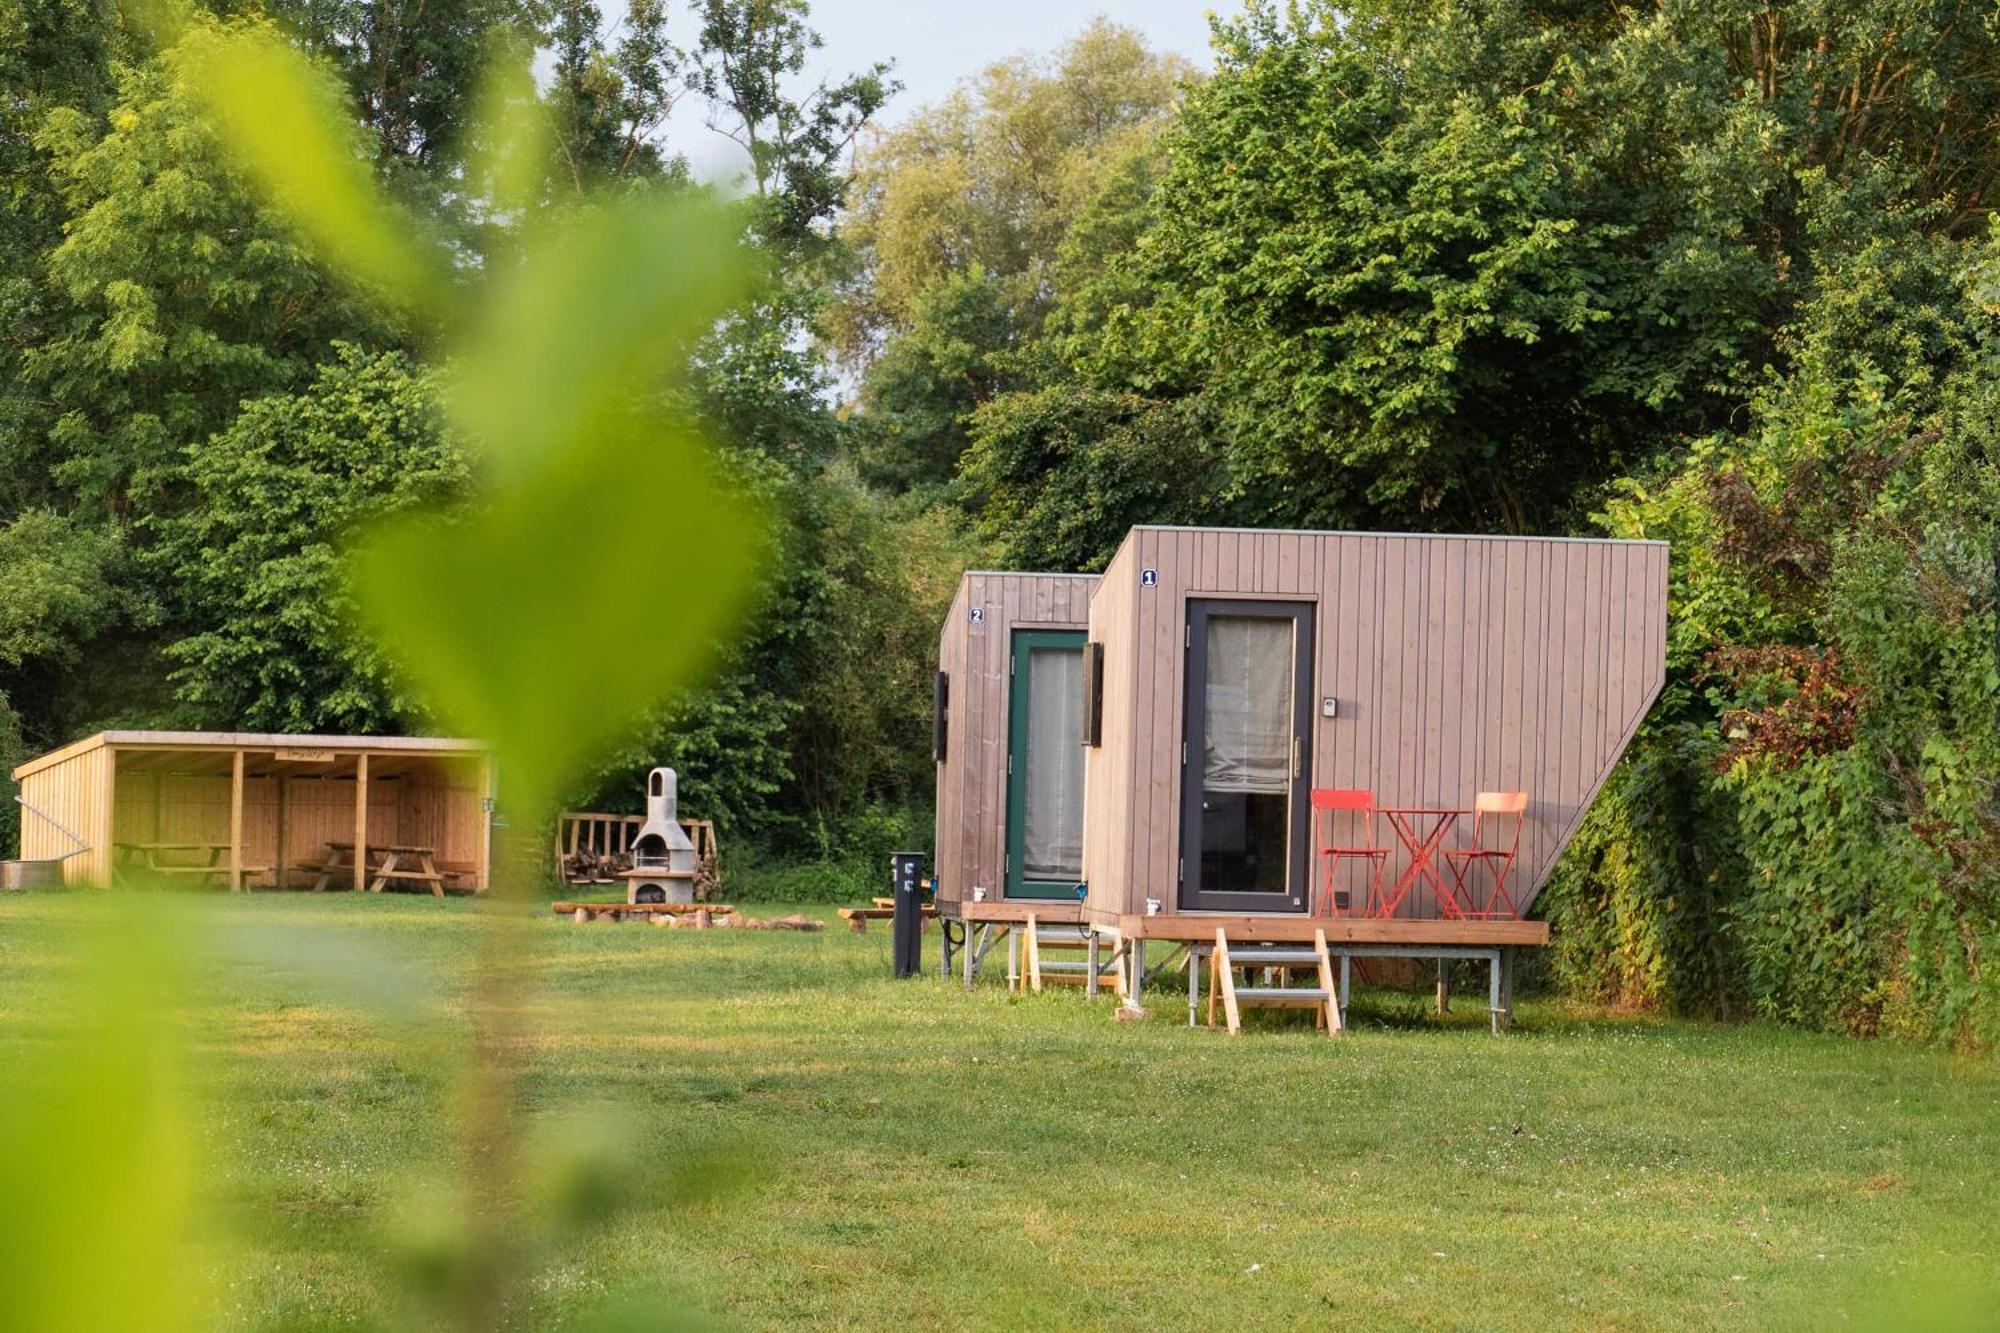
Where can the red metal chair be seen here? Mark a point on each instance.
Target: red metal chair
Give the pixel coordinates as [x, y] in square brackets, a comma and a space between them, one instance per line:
[1488, 808]
[1328, 805]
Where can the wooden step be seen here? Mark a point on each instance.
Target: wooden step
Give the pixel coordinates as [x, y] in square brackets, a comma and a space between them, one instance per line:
[1223, 967]
[1289, 997]
[1083, 971]
[1259, 957]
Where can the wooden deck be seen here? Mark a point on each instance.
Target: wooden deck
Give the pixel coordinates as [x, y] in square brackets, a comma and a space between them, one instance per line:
[1200, 927]
[1051, 911]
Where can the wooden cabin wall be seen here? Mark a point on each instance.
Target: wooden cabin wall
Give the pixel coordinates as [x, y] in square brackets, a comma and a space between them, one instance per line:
[977, 769]
[1460, 665]
[440, 808]
[76, 792]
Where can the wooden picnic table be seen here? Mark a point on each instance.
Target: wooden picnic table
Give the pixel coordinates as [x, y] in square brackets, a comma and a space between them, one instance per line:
[397, 861]
[164, 858]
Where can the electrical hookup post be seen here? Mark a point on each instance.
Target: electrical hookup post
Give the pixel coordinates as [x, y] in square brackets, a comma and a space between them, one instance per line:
[906, 873]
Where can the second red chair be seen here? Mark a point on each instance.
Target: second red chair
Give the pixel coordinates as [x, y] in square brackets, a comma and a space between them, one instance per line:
[1355, 844]
[1488, 809]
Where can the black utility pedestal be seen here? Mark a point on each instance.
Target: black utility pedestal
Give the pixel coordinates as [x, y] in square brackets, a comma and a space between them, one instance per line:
[907, 875]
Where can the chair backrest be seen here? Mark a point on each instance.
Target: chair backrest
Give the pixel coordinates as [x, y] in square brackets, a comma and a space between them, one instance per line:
[1487, 803]
[1343, 798]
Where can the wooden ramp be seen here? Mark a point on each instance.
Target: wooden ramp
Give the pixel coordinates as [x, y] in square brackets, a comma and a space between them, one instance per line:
[1268, 980]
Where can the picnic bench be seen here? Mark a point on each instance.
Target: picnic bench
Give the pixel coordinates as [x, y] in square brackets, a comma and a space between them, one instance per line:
[401, 862]
[878, 909]
[169, 859]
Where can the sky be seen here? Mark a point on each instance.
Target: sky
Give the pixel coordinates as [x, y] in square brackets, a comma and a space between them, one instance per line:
[938, 43]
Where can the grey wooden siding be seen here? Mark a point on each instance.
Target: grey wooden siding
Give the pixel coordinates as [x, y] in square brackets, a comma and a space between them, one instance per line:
[1462, 664]
[972, 780]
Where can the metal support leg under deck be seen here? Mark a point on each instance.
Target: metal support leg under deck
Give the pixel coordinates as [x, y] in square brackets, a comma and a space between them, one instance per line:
[947, 946]
[1493, 990]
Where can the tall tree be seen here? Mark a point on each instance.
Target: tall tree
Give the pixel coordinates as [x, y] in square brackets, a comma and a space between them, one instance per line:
[172, 295]
[412, 68]
[967, 222]
[749, 60]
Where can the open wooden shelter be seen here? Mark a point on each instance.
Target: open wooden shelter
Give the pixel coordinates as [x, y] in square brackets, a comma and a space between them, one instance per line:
[262, 810]
[1439, 711]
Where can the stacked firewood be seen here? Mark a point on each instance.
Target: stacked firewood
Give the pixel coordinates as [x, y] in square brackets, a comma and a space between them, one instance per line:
[587, 866]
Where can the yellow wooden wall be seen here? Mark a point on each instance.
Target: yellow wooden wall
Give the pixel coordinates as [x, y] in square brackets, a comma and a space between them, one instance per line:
[76, 793]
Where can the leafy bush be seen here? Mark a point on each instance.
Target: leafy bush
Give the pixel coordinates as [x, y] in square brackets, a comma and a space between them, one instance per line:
[849, 865]
[1640, 904]
[255, 560]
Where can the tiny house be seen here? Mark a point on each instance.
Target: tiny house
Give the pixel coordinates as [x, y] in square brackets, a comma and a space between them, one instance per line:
[261, 810]
[1007, 740]
[1243, 670]
[1376, 744]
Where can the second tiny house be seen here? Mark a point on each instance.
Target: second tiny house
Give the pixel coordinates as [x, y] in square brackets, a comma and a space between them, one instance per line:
[1007, 740]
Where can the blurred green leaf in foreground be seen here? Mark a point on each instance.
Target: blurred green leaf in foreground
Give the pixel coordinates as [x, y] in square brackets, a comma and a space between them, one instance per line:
[600, 508]
[97, 1157]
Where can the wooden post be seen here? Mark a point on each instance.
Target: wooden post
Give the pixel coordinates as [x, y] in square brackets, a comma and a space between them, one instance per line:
[1444, 986]
[1034, 957]
[482, 880]
[103, 857]
[235, 821]
[361, 822]
[284, 802]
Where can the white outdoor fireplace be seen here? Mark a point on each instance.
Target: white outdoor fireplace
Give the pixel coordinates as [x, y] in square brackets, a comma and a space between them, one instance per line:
[663, 860]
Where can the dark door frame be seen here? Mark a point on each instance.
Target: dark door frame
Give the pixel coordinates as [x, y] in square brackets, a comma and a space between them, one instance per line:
[1193, 897]
[1015, 883]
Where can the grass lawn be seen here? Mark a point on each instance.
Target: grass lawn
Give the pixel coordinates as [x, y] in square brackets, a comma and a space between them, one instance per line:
[916, 1156]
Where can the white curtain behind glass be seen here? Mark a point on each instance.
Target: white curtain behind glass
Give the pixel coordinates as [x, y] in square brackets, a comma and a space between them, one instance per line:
[1249, 704]
[1052, 832]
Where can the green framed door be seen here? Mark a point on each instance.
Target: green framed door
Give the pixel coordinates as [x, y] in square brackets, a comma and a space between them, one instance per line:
[1045, 764]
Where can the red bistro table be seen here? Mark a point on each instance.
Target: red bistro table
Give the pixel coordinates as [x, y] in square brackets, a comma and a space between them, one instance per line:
[1422, 842]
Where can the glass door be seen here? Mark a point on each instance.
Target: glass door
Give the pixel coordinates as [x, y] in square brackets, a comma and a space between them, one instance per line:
[1245, 801]
[1045, 764]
